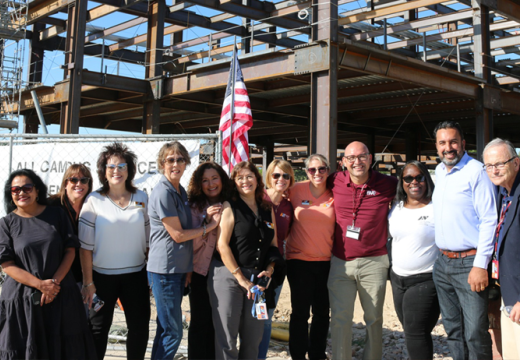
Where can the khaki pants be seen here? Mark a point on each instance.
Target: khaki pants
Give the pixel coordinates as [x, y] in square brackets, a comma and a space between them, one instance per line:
[510, 338]
[368, 277]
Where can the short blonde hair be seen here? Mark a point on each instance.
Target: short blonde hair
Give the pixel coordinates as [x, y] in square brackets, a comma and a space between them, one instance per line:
[322, 159]
[171, 147]
[282, 164]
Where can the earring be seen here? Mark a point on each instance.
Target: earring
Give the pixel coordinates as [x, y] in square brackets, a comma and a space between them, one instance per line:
[12, 203]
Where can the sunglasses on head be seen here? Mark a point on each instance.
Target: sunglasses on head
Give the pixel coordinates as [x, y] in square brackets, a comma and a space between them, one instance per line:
[276, 176]
[27, 188]
[409, 179]
[120, 167]
[171, 161]
[83, 180]
[321, 170]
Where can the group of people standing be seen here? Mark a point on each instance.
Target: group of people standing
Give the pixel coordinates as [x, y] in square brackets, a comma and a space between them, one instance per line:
[328, 235]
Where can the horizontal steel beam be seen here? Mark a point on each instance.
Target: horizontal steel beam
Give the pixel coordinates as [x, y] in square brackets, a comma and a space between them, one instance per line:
[508, 8]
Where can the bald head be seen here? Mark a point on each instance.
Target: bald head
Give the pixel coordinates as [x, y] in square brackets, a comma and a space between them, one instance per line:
[357, 160]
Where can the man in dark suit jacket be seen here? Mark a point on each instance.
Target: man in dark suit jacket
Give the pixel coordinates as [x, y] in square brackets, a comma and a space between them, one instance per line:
[503, 168]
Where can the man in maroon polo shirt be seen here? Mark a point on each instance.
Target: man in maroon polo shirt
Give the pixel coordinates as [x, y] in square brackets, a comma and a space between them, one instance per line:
[360, 260]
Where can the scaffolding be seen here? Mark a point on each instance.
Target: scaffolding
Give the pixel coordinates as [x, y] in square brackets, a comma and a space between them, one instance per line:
[13, 24]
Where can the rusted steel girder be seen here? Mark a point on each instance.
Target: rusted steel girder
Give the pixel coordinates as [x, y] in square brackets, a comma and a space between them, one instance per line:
[69, 121]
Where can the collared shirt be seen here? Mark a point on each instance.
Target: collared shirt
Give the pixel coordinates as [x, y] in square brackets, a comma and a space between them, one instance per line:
[506, 199]
[371, 217]
[167, 256]
[465, 210]
[284, 214]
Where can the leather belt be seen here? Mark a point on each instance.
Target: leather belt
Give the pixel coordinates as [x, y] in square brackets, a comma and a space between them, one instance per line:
[458, 254]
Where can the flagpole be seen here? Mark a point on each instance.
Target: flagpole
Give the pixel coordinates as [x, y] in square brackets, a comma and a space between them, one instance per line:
[232, 109]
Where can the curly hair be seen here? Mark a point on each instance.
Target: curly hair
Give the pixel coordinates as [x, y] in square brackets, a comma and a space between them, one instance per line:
[72, 170]
[36, 180]
[259, 191]
[122, 151]
[196, 196]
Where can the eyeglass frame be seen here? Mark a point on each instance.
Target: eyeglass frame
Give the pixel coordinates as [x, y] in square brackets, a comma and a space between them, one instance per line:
[313, 170]
[499, 165]
[285, 176]
[120, 167]
[423, 178]
[19, 189]
[180, 160]
[356, 157]
[74, 180]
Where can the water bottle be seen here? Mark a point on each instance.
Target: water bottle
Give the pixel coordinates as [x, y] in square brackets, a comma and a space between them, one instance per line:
[506, 309]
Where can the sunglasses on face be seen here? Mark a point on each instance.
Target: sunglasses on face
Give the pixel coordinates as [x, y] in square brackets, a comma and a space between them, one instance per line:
[321, 170]
[171, 161]
[27, 188]
[276, 176]
[120, 167]
[409, 179]
[74, 180]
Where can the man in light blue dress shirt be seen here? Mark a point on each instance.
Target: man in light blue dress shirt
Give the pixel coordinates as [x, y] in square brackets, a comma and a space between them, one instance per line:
[465, 221]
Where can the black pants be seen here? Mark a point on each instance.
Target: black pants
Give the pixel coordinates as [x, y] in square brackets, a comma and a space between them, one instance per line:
[308, 282]
[417, 306]
[201, 335]
[132, 290]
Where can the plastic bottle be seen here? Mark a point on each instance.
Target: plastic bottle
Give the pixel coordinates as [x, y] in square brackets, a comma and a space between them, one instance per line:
[507, 309]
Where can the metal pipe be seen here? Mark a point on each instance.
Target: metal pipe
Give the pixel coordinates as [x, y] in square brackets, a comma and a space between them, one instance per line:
[218, 148]
[385, 43]
[232, 108]
[252, 34]
[424, 45]
[39, 111]
[10, 154]
[458, 57]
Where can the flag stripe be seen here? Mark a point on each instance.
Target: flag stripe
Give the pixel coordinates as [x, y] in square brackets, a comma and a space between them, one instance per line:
[242, 120]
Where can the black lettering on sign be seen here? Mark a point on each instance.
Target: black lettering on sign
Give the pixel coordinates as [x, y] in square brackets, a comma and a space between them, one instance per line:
[45, 166]
[140, 168]
[152, 166]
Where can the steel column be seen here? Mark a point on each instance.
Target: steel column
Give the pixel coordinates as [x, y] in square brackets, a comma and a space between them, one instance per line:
[73, 69]
[482, 61]
[324, 84]
[154, 68]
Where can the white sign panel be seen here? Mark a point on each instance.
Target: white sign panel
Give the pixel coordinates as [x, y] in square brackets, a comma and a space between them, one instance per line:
[50, 161]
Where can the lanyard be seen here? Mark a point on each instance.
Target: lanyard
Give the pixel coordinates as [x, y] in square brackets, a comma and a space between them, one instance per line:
[258, 299]
[502, 218]
[357, 204]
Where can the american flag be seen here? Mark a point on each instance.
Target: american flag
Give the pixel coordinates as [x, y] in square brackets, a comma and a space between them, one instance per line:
[242, 119]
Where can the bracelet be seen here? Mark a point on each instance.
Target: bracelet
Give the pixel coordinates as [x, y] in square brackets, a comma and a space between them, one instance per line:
[204, 229]
[234, 272]
[86, 286]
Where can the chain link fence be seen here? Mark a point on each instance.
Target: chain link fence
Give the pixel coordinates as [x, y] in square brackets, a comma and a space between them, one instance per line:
[50, 155]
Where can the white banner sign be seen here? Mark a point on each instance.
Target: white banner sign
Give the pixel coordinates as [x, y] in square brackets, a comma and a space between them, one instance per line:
[50, 161]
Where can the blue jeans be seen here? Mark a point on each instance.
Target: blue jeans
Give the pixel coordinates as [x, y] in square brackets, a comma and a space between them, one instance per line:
[168, 290]
[264, 345]
[464, 312]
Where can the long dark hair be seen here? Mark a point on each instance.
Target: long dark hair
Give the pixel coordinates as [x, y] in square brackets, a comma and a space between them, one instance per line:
[259, 191]
[196, 196]
[36, 180]
[401, 194]
[120, 150]
[72, 170]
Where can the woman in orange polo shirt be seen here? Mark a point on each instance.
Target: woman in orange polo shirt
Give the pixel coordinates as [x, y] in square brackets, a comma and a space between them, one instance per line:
[308, 251]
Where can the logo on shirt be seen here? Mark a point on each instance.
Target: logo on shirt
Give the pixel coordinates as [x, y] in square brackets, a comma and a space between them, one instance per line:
[424, 217]
[306, 202]
[284, 215]
[371, 192]
[328, 203]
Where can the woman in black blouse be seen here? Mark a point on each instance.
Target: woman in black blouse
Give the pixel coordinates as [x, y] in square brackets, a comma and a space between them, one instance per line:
[247, 251]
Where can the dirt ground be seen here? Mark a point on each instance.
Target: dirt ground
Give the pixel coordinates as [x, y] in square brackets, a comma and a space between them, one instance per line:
[393, 336]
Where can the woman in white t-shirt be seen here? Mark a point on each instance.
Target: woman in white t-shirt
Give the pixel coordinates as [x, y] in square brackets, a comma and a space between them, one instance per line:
[413, 254]
[113, 231]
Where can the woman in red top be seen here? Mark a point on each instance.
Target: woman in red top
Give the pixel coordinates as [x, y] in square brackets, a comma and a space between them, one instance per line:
[279, 178]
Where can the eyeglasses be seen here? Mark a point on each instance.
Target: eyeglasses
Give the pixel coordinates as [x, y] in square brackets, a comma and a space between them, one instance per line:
[499, 165]
[276, 176]
[27, 188]
[321, 170]
[409, 179]
[120, 167]
[83, 180]
[352, 158]
[171, 161]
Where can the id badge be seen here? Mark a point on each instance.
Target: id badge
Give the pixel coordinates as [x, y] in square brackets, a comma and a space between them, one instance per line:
[261, 311]
[494, 269]
[353, 232]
